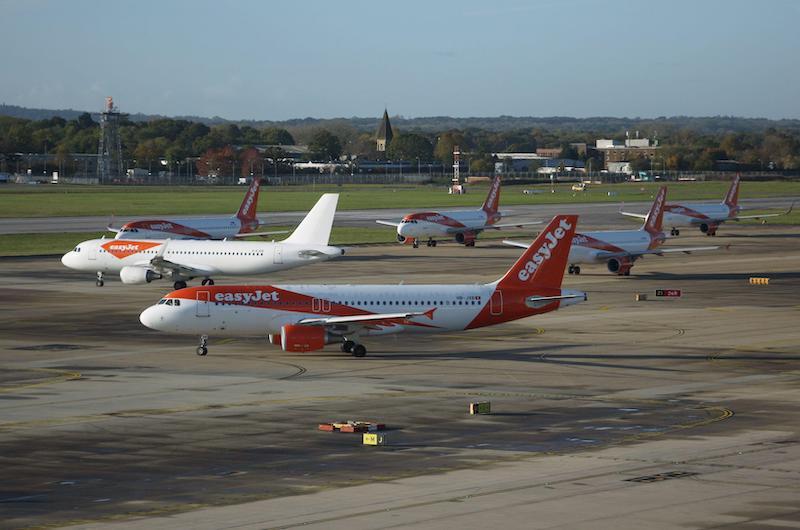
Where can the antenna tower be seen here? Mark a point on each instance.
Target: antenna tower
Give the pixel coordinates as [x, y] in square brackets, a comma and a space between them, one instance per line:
[109, 152]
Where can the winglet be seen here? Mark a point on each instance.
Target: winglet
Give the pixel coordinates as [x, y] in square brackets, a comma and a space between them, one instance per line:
[429, 313]
[543, 263]
[315, 228]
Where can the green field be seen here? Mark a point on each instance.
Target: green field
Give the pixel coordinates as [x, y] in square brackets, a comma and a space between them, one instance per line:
[62, 200]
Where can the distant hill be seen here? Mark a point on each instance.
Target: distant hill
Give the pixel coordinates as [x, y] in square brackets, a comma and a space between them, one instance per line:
[609, 125]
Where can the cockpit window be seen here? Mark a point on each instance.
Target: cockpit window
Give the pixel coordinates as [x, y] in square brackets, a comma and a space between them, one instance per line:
[169, 302]
[77, 249]
[177, 302]
[162, 301]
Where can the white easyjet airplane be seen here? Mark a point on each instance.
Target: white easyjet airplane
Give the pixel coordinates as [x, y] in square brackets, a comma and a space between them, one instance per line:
[243, 224]
[140, 262]
[463, 226]
[302, 318]
[618, 249]
[707, 216]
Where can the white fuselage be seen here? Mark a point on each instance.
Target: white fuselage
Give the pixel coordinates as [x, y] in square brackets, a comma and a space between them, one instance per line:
[265, 310]
[695, 214]
[587, 247]
[216, 257]
[199, 228]
[433, 225]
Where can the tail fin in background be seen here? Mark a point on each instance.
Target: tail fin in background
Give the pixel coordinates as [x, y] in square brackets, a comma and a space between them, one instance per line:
[315, 228]
[655, 216]
[492, 201]
[247, 211]
[544, 261]
[732, 197]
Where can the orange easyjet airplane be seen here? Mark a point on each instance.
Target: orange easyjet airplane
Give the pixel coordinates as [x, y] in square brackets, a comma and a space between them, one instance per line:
[302, 318]
[243, 224]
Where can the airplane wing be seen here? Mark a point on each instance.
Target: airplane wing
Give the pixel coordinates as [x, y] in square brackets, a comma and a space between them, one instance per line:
[634, 255]
[377, 318]
[655, 251]
[165, 266]
[248, 234]
[740, 217]
[387, 223]
[457, 230]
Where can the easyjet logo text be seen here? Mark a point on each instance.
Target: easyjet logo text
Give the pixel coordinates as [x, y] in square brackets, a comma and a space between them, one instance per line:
[249, 200]
[544, 252]
[161, 226]
[122, 250]
[493, 195]
[248, 298]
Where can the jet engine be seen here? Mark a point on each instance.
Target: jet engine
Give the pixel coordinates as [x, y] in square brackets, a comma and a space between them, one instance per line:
[620, 266]
[138, 275]
[299, 338]
[466, 238]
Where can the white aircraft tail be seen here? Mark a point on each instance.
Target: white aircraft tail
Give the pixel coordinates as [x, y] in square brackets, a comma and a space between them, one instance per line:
[315, 228]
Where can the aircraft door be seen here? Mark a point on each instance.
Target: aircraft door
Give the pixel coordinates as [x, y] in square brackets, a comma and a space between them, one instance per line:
[496, 303]
[277, 256]
[92, 252]
[203, 304]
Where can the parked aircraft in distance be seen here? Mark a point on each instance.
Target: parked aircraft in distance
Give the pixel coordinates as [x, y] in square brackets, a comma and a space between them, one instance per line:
[243, 224]
[618, 249]
[302, 318]
[461, 225]
[707, 216]
[143, 261]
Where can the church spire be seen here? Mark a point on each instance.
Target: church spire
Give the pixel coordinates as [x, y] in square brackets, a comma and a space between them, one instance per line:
[385, 135]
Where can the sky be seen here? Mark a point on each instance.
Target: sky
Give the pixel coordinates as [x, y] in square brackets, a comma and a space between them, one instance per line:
[270, 60]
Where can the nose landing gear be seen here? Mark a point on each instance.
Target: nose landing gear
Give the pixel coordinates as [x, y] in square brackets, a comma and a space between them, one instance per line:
[99, 281]
[574, 269]
[431, 242]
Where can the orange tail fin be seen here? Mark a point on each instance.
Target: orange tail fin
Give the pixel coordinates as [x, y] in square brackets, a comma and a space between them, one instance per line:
[492, 201]
[543, 263]
[732, 197]
[652, 223]
[247, 211]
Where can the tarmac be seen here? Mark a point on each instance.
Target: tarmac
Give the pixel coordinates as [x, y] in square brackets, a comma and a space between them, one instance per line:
[666, 413]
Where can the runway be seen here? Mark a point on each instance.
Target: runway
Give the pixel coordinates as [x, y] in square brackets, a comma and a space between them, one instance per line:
[669, 413]
[596, 215]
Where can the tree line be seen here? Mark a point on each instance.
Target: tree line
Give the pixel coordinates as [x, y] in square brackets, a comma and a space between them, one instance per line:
[229, 148]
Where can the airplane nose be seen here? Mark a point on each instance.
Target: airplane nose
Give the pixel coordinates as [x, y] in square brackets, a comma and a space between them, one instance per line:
[150, 317]
[66, 259]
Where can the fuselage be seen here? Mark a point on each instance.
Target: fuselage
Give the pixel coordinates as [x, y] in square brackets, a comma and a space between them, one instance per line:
[218, 257]
[588, 247]
[696, 214]
[198, 228]
[427, 225]
[259, 310]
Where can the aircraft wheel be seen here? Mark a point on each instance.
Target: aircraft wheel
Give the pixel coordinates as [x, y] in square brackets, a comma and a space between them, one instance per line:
[677, 232]
[347, 346]
[415, 244]
[471, 244]
[179, 285]
[207, 281]
[627, 272]
[99, 283]
[359, 350]
[433, 243]
[576, 270]
[571, 269]
[202, 351]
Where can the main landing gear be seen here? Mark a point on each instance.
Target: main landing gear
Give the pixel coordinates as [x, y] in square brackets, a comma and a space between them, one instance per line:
[415, 244]
[674, 232]
[180, 284]
[207, 281]
[99, 281]
[202, 350]
[574, 269]
[352, 347]
[431, 242]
